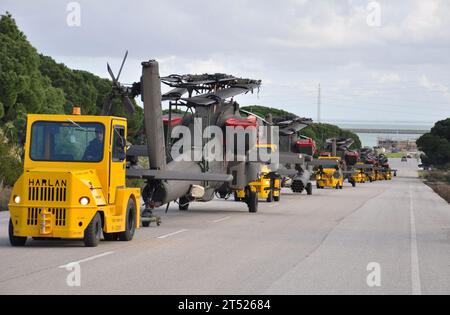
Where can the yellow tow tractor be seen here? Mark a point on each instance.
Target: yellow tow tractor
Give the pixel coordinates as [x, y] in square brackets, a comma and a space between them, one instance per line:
[360, 174]
[371, 174]
[357, 177]
[267, 186]
[73, 184]
[388, 174]
[380, 175]
[329, 172]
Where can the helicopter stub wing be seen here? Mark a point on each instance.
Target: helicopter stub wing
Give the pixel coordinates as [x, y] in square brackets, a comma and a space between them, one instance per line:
[177, 176]
[291, 158]
[327, 162]
[286, 172]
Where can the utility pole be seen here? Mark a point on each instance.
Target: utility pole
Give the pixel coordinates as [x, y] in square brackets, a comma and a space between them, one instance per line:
[319, 104]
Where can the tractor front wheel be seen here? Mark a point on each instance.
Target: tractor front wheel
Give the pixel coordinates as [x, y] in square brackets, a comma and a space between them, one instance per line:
[93, 232]
[16, 241]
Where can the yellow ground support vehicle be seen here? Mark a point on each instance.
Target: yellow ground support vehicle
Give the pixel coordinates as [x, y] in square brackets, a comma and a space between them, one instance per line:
[360, 174]
[371, 174]
[380, 175]
[359, 177]
[73, 184]
[329, 173]
[268, 187]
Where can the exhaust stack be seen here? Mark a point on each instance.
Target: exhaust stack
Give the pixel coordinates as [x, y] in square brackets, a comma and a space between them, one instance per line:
[154, 129]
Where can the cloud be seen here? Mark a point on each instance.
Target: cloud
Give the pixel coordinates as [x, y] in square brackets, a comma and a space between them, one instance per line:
[292, 46]
[434, 86]
[386, 77]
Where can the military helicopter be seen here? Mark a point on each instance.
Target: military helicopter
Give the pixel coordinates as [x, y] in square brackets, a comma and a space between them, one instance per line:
[352, 168]
[207, 101]
[296, 153]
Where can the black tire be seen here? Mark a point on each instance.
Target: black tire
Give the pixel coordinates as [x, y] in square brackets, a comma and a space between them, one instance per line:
[93, 232]
[277, 198]
[183, 204]
[309, 189]
[340, 187]
[270, 198]
[110, 237]
[354, 184]
[15, 241]
[146, 224]
[252, 201]
[337, 186]
[223, 195]
[130, 225]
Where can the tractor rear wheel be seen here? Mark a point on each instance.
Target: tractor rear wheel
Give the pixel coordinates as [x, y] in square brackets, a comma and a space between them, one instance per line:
[15, 241]
[130, 224]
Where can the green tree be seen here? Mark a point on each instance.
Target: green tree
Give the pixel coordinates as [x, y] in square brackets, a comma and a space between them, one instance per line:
[10, 164]
[23, 89]
[436, 145]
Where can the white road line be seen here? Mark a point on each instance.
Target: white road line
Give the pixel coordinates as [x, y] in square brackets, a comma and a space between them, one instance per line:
[221, 220]
[87, 259]
[415, 272]
[171, 234]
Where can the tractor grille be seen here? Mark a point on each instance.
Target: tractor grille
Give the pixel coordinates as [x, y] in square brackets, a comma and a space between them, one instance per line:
[59, 216]
[47, 194]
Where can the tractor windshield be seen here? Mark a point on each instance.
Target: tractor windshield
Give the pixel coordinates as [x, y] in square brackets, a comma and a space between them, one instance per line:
[67, 141]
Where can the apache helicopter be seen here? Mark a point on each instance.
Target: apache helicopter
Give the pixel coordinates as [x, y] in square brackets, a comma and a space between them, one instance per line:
[296, 153]
[209, 98]
[351, 166]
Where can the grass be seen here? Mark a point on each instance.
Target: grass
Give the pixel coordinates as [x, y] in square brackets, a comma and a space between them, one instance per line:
[398, 155]
[439, 181]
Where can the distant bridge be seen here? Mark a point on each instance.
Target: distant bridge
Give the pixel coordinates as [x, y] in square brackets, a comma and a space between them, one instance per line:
[389, 131]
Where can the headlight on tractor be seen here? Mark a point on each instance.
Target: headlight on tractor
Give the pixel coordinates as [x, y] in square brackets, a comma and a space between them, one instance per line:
[84, 201]
[17, 199]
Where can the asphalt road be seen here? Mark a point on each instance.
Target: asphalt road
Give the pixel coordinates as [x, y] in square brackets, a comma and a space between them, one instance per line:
[320, 244]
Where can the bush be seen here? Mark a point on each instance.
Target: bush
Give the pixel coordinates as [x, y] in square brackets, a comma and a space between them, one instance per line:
[436, 145]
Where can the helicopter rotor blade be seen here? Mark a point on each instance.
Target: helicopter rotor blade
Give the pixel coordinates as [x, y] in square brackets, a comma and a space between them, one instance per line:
[111, 74]
[121, 67]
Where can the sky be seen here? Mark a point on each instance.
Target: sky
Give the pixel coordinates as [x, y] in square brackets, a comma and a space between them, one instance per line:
[378, 61]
